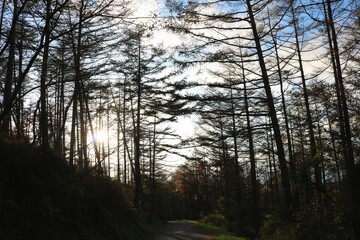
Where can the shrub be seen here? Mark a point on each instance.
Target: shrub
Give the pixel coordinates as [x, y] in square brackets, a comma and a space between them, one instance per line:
[41, 197]
[217, 220]
[275, 227]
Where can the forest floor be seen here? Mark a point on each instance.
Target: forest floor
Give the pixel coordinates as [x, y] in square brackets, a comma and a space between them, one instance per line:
[176, 230]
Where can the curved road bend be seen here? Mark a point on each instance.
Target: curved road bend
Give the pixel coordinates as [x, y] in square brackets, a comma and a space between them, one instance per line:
[175, 230]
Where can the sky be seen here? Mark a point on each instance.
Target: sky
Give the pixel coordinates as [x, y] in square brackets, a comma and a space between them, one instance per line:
[146, 13]
[151, 12]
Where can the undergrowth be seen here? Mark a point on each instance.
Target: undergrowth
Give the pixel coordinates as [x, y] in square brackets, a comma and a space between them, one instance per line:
[42, 198]
[216, 232]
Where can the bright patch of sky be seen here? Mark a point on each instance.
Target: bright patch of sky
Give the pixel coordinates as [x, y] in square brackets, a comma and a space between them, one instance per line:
[145, 8]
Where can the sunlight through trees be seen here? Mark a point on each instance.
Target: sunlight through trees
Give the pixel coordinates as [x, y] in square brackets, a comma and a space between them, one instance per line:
[270, 87]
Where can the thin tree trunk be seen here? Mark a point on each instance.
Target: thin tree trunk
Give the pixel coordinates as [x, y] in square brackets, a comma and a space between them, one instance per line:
[118, 140]
[253, 178]
[138, 185]
[44, 122]
[313, 150]
[336, 155]
[273, 157]
[304, 166]
[20, 105]
[108, 138]
[61, 110]
[344, 118]
[5, 124]
[152, 169]
[225, 164]
[73, 124]
[269, 149]
[79, 93]
[320, 144]
[236, 153]
[292, 162]
[343, 109]
[2, 17]
[274, 120]
[123, 133]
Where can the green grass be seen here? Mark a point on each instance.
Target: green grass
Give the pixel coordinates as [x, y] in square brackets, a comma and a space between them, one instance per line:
[217, 233]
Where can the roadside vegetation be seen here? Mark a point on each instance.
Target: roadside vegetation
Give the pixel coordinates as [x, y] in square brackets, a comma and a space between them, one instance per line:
[42, 197]
[215, 231]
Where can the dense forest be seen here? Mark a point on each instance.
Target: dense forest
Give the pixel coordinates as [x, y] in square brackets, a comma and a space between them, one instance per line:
[115, 114]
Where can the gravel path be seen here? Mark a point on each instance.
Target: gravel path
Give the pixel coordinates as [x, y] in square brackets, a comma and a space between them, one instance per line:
[175, 230]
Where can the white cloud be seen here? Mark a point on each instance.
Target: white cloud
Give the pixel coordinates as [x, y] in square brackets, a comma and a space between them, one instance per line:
[145, 8]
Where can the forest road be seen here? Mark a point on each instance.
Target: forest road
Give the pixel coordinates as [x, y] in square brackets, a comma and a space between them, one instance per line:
[175, 230]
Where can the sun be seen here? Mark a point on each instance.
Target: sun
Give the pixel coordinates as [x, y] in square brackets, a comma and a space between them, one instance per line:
[100, 136]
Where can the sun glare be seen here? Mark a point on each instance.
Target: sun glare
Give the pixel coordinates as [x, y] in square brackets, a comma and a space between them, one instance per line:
[100, 136]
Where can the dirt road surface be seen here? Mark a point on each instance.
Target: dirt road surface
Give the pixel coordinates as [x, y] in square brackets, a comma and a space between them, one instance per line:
[175, 230]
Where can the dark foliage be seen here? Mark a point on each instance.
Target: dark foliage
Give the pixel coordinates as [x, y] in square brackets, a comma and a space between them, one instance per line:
[41, 197]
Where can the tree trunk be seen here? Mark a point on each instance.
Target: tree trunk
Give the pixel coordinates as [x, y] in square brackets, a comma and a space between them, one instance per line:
[2, 16]
[343, 109]
[123, 133]
[5, 124]
[44, 124]
[225, 164]
[333, 144]
[253, 179]
[344, 120]
[292, 161]
[313, 151]
[19, 113]
[152, 169]
[274, 120]
[138, 185]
